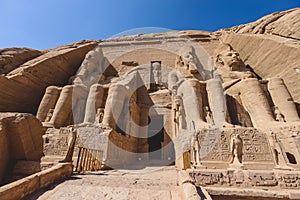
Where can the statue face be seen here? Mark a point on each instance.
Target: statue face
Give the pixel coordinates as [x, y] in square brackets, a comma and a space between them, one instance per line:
[231, 59]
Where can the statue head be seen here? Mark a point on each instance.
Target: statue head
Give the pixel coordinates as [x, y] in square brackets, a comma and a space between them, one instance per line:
[177, 101]
[187, 59]
[156, 66]
[227, 57]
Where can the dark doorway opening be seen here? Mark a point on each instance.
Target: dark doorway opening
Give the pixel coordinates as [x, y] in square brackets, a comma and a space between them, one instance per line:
[155, 136]
[291, 158]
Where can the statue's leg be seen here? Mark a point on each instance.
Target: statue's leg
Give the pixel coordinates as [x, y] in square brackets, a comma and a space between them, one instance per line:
[66, 104]
[94, 101]
[48, 102]
[283, 99]
[217, 101]
[254, 101]
[114, 105]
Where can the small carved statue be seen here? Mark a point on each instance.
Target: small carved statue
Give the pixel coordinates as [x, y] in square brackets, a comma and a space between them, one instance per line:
[99, 115]
[278, 115]
[178, 112]
[236, 148]
[49, 115]
[157, 72]
[208, 116]
[72, 136]
[195, 149]
[277, 152]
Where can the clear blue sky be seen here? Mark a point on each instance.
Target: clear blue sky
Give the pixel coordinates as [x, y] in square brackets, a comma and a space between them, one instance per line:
[44, 24]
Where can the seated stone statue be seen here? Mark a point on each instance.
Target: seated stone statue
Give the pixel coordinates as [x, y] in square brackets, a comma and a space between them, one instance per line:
[241, 84]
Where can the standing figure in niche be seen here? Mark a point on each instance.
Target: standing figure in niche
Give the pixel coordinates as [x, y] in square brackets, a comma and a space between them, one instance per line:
[195, 149]
[278, 115]
[72, 136]
[99, 115]
[236, 148]
[178, 113]
[49, 115]
[208, 116]
[157, 73]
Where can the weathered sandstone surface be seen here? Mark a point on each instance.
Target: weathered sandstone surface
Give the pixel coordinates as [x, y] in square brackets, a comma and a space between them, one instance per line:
[11, 58]
[23, 88]
[20, 141]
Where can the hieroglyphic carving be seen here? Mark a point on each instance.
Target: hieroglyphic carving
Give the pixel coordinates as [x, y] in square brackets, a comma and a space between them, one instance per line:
[210, 141]
[262, 179]
[92, 138]
[255, 145]
[245, 178]
[289, 180]
[211, 178]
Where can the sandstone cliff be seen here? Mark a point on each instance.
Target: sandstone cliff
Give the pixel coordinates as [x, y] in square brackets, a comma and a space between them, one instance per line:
[284, 24]
[11, 58]
[23, 88]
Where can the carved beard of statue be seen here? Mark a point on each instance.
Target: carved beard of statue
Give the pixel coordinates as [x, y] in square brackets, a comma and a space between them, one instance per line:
[231, 60]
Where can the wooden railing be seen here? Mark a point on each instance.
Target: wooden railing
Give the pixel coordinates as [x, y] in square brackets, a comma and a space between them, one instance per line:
[88, 160]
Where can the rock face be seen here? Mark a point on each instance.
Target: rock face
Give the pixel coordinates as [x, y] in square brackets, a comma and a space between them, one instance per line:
[284, 24]
[20, 140]
[12, 58]
[23, 88]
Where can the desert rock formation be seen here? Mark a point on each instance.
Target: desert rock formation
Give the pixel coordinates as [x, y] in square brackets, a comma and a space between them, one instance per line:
[23, 87]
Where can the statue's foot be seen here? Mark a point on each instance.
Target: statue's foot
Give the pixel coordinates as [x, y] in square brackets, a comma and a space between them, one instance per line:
[276, 125]
[228, 125]
[64, 161]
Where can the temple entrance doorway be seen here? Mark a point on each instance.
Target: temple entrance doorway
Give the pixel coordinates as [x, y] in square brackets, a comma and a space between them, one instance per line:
[155, 136]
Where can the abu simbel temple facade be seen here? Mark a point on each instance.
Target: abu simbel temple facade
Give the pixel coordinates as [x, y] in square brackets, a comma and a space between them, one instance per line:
[221, 109]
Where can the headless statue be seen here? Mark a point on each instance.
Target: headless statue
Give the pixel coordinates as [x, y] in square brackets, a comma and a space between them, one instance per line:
[236, 148]
[72, 135]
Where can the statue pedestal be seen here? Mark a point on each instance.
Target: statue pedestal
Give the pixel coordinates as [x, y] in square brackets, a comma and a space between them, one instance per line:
[287, 168]
[199, 166]
[235, 165]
